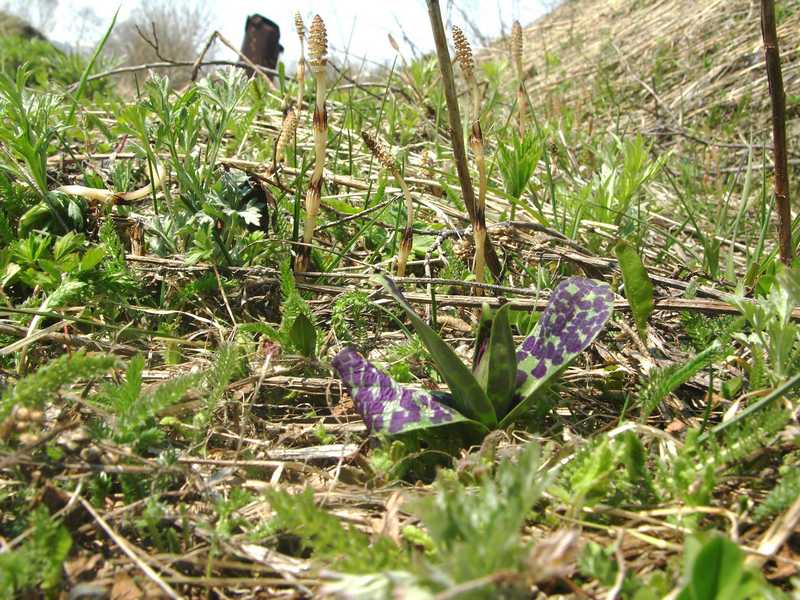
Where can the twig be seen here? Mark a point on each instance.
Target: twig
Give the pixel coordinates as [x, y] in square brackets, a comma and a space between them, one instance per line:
[173, 65]
[457, 140]
[244, 59]
[772, 58]
[201, 56]
[126, 548]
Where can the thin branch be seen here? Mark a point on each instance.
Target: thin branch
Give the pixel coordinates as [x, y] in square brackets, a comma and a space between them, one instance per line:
[130, 552]
[772, 58]
[456, 135]
[174, 65]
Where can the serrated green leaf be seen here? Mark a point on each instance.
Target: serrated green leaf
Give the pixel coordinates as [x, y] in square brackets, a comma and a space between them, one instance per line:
[469, 398]
[638, 287]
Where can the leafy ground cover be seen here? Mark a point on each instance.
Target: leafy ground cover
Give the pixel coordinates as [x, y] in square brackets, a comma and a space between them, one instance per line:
[198, 389]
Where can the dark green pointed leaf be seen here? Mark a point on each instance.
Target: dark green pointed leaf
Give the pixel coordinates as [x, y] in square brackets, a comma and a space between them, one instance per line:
[304, 336]
[638, 287]
[502, 360]
[469, 398]
[482, 341]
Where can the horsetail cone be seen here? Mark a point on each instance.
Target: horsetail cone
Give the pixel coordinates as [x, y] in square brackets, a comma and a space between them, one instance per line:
[467, 62]
[463, 53]
[318, 44]
[516, 47]
[382, 155]
[287, 131]
[318, 59]
[379, 151]
[299, 26]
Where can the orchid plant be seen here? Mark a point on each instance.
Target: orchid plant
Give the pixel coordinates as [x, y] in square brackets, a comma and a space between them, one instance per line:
[503, 382]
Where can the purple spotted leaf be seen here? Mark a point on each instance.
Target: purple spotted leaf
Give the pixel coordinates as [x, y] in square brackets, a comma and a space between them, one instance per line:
[577, 311]
[386, 406]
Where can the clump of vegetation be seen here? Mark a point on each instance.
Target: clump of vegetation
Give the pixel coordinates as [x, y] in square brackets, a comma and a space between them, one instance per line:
[503, 384]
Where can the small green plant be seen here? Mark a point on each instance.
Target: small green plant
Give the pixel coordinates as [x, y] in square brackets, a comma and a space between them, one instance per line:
[714, 569]
[503, 383]
[135, 410]
[37, 563]
[773, 332]
[517, 162]
[349, 549]
[297, 331]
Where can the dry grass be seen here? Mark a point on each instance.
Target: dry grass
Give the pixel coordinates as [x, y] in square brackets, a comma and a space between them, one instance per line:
[708, 58]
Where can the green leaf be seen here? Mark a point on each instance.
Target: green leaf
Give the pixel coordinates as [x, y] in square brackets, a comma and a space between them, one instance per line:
[303, 336]
[638, 287]
[469, 398]
[502, 361]
[92, 258]
[717, 571]
[480, 362]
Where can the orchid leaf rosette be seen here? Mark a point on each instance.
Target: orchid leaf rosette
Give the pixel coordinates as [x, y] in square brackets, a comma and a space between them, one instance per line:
[503, 383]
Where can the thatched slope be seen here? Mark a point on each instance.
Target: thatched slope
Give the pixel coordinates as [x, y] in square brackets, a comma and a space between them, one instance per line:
[669, 63]
[12, 25]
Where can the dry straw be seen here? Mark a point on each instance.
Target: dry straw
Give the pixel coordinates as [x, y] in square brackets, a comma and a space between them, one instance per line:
[476, 144]
[318, 60]
[380, 152]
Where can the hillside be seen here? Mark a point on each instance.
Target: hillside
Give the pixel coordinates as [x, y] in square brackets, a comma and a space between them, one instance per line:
[399, 337]
[671, 69]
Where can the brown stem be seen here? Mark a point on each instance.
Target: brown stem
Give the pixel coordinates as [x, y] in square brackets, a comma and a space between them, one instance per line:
[314, 193]
[773, 60]
[408, 234]
[456, 135]
[522, 109]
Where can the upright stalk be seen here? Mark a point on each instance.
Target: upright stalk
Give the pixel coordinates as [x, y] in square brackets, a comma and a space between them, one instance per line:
[773, 60]
[467, 62]
[318, 60]
[382, 155]
[456, 136]
[301, 62]
[522, 97]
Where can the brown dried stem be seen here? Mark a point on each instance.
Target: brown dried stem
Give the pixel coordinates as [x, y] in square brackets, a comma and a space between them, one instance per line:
[476, 144]
[318, 60]
[773, 61]
[379, 151]
[454, 117]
